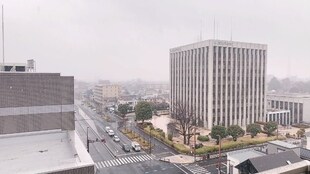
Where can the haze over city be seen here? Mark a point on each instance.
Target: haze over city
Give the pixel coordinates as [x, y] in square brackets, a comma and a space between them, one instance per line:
[121, 40]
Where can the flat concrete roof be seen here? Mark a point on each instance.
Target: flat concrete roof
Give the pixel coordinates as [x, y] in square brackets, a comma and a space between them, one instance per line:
[244, 154]
[283, 144]
[42, 152]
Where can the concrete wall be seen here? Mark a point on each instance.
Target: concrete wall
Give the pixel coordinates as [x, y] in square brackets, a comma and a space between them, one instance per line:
[36, 101]
[82, 170]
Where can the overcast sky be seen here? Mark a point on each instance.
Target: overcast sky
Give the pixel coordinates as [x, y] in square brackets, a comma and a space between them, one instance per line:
[126, 39]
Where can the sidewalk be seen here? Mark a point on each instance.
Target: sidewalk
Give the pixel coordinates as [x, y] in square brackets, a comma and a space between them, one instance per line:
[180, 159]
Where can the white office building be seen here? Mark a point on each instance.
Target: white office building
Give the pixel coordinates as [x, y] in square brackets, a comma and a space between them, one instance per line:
[280, 116]
[298, 104]
[223, 82]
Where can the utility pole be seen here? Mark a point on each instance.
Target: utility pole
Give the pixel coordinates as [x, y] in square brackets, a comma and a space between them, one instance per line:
[87, 140]
[194, 144]
[150, 140]
[219, 162]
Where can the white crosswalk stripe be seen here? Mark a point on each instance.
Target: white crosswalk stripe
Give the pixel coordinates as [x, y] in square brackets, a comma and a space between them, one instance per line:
[109, 163]
[106, 163]
[131, 158]
[99, 165]
[196, 169]
[118, 161]
[143, 156]
[122, 161]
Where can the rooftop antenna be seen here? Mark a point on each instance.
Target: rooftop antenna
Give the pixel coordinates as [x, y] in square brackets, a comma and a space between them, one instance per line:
[2, 36]
[231, 30]
[200, 37]
[214, 28]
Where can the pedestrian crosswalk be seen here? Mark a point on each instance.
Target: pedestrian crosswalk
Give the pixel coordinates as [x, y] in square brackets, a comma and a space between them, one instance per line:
[196, 169]
[123, 161]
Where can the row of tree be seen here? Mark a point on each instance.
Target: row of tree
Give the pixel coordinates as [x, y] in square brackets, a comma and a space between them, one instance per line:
[236, 131]
[143, 110]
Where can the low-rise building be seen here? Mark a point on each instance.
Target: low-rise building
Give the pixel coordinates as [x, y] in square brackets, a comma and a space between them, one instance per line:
[236, 157]
[299, 106]
[280, 116]
[268, 162]
[278, 146]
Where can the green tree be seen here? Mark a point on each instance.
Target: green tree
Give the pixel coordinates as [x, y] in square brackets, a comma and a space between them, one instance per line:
[270, 127]
[143, 111]
[254, 129]
[235, 131]
[123, 109]
[301, 133]
[218, 131]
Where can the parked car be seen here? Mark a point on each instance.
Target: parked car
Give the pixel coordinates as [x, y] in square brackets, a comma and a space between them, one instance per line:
[126, 147]
[135, 146]
[111, 132]
[116, 139]
[107, 129]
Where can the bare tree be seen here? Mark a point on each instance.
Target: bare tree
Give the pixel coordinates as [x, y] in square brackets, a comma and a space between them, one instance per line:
[185, 118]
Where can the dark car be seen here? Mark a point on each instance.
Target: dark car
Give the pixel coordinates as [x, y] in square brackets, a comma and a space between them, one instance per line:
[126, 147]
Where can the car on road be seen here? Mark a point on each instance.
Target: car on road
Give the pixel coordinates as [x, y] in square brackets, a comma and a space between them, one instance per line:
[116, 139]
[135, 146]
[111, 132]
[126, 147]
[107, 129]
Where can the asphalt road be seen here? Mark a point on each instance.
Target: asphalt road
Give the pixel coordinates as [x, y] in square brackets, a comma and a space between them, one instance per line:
[109, 156]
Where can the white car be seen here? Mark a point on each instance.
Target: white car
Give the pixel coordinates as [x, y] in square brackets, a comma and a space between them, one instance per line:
[107, 129]
[116, 139]
[111, 132]
[136, 146]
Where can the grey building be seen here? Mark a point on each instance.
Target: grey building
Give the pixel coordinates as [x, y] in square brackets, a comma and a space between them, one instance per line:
[37, 124]
[223, 82]
[36, 101]
[297, 104]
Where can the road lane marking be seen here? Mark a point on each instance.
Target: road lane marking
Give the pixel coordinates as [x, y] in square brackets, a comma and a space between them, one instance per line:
[127, 160]
[135, 158]
[144, 157]
[106, 163]
[121, 161]
[99, 165]
[118, 161]
[131, 158]
[102, 164]
[96, 165]
[109, 163]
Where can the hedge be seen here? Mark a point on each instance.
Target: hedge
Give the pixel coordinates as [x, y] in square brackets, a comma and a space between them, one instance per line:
[203, 138]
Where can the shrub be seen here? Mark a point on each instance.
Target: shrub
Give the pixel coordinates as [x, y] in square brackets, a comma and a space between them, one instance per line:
[203, 138]
[181, 148]
[197, 146]
[218, 131]
[253, 129]
[235, 131]
[170, 137]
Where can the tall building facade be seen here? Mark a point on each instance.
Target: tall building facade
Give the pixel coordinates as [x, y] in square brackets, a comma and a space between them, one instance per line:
[223, 82]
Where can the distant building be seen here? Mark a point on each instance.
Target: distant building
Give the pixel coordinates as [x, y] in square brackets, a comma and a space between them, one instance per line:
[224, 82]
[280, 116]
[106, 92]
[299, 106]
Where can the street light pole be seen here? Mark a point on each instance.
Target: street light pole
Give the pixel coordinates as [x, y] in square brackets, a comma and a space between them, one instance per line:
[219, 162]
[194, 144]
[87, 140]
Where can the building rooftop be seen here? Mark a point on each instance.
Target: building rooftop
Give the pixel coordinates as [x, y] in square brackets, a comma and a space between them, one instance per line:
[270, 161]
[283, 144]
[289, 95]
[244, 154]
[42, 152]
